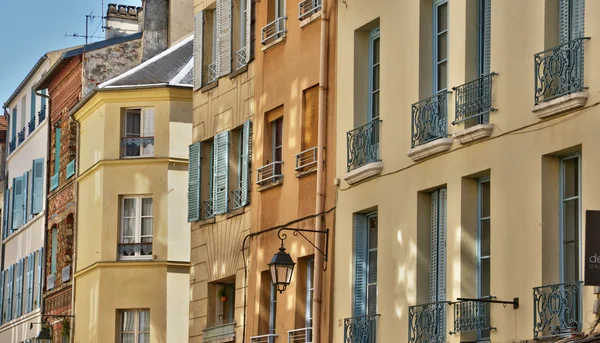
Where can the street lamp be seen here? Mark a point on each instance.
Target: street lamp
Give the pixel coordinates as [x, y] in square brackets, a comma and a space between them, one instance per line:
[44, 336]
[282, 268]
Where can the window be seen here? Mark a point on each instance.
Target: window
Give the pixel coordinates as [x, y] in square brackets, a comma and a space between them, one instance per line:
[483, 246]
[437, 256]
[440, 46]
[57, 137]
[365, 289]
[570, 218]
[17, 208]
[134, 326]
[32, 111]
[240, 33]
[138, 133]
[54, 248]
[37, 186]
[225, 304]
[277, 136]
[23, 114]
[310, 288]
[13, 124]
[374, 72]
[273, 310]
[571, 21]
[210, 46]
[136, 227]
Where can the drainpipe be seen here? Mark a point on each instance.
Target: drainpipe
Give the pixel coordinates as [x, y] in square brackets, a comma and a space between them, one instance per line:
[75, 223]
[320, 203]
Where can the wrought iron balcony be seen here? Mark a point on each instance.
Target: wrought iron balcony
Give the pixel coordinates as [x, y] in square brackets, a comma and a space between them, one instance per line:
[361, 329]
[559, 71]
[273, 30]
[427, 323]
[21, 136]
[270, 338]
[303, 335]
[363, 145]
[429, 119]
[307, 7]
[212, 72]
[12, 145]
[132, 250]
[221, 334]
[31, 126]
[470, 315]
[557, 309]
[473, 99]
[71, 169]
[42, 114]
[50, 281]
[240, 57]
[270, 173]
[306, 160]
[209, 211]
[137, 146]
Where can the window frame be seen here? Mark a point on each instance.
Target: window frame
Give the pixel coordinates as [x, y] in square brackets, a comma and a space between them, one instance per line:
[137, 230]
[435, 48]
[273, 310]
[562, 202]
[310, 286]
[480, 257]
[374, 35]
[124, 133]
[274, 146]
[369, 217]
[136, 324]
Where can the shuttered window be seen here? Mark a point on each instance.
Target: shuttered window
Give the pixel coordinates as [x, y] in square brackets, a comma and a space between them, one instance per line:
[17, 214]
[198, 48]
[30, 267]
[13, 124]
[571, 21]
[19, 295]
[365, 278]
[223, 37]
[37, 186]
[2, 286]
[54, 250]
[194, 179]
[33, 100]
[9, 289]
[57, 135]
[220, 168]
[40, 261]
[437, 265]
[246, 152]
[25, 196]
[5, 213]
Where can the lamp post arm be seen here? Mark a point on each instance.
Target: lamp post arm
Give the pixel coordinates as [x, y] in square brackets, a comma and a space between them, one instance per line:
[283, 236]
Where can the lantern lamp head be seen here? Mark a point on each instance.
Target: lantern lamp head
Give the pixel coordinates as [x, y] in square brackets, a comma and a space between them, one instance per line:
[44, 336]
[282, 268]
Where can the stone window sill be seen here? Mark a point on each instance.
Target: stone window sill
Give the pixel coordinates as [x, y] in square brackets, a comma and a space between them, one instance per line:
[310, 19]
[238, 72]
[303, 173]
[474, 133]
[268, 186]
[367, 171]
[432, 148]
[209, 86]
[206, 221]
[559, 105]
[273, 43]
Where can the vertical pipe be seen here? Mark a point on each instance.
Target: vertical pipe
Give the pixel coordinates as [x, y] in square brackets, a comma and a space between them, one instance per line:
[320, 203]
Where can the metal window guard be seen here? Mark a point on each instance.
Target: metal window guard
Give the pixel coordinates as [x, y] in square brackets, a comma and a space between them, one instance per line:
[42, 114]
[471, 315]
[307, 7]
[557, 309]
[274, 29]
[220, 333]
[12, 145]
[212, 72]
[303, 335]
[270, 173]
[54, 181]
[50, 282]
[429, 119]
[21, 136]
[270, 338]
[559, 70]
[135, 249]
[71, 169]
[137, 146]
[306, 159]
[363, 145]
[237, 198]
[427, 322]
[473, 99]
[208, 209]
[240, 57]
[362, 329]
[31, 125]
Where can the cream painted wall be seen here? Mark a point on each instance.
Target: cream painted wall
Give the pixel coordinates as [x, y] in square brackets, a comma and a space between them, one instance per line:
[513, 157]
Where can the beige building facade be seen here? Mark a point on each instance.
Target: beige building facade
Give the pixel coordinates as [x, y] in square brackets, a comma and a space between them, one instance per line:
[466, 170]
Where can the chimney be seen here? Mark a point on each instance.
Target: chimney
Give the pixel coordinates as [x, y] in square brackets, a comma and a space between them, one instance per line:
[155, 26]
[121, 20]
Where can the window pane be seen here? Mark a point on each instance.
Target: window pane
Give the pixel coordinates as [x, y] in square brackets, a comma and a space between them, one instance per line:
[148, 123]
[375, 106]
[376, 51]
[128, 338]
[373, 266]
[442, 81]
[128, 229]
[144, 321]
[372, 299]
[127, 321]
[146, 207]
[571, 265]
[132, 123]
[571, 177]
[279, 132]
[146, 226]
[485, 277]
[485, 199]
[442, 17]
[129, 207]
[571, 220]
[485, 237]
[145, 338]
[375, 84]
[442, 47]
[372, 233]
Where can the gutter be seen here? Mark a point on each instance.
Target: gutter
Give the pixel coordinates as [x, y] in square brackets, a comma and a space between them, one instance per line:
[20, 87]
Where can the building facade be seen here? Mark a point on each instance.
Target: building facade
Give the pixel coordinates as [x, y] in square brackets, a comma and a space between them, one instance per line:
[467, 170]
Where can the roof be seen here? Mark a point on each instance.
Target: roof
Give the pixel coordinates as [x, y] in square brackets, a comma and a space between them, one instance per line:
[32, 72]
[69, 55]
[172, 67]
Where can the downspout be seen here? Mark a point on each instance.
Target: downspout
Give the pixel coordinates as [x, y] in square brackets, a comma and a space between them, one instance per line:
[321, 139]
[75, 222]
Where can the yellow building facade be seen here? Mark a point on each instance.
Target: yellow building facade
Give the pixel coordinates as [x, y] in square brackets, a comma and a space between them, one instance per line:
[466, 170]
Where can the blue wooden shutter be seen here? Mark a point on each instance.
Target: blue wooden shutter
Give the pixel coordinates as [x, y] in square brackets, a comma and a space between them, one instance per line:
[198, 49]
[19, 304]
[360, 272]
[37, 186]
[17, 202]
[30, 265]
[25, 183]
[57, 151]
[194, 177]
[564, 21]
[33, 100]
[246, 153]
[487, 34]
[13, 123]
[11, 275]
[5, 214]
[39, 276]
[220, 172]
[2, 297]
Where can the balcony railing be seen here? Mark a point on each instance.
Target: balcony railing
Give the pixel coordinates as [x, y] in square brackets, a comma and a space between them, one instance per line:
[306, 159]
[269, 173]
[557, 309]
[427, 323]
[473, 99]
[131, 250]
[273, 30]
[237, 198]
[50, 282]
[54, 181]
[209, 210]
[71, 169]
[137, 146]
[429, 119]
[212, 72]
[12, 145]
[221, 334]
[21, 136]
[307, 7]
[31, 126]
[363, 145]
[559, 71]
[42, 114]
[240, 57]
[361, 329]
[270, 338]
[470, 315]
[303, 335]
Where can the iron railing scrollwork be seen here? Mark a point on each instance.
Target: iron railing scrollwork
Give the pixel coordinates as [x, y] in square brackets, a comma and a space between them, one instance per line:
[363, 145]
[557, 309]
[237, 198]
[429, 119]
[427, 323]
[12, 145]
[21, 136]
[42, 114]
[473, 99]
[471, 315]
[307, 7]
[559, 70]
[31, 125]
[361, 329]
[135, 249]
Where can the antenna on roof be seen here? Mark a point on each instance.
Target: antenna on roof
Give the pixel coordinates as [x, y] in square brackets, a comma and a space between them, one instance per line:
[88, 18]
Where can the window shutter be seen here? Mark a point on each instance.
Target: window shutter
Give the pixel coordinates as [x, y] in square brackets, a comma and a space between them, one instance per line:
[248, 23]
[564, 21]
[223, 14]
[43, 99]
[360, 276]
[17, 202]
[5, 214]
[438, 254]
[39, 276]
[442, 247]
[25, 183]
[194, 174]
[487, 34]
[20, 266]
[37, 186]
[1, 297]
[433, 255]
[33, 98]
[13, 122]
[198, 49]
[11, 276]
[9, 195]
[28, 293]
[221, 153]
[245, 167]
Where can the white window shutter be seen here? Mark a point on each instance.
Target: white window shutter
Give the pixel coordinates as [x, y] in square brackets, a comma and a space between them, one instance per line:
[194, 175]
[246, 155]
[198, 40]
[223, 14]
[220, 171]
[248, 28]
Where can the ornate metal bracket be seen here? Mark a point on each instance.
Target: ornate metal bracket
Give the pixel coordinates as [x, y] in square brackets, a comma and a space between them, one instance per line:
[515, 301]
[283, 236]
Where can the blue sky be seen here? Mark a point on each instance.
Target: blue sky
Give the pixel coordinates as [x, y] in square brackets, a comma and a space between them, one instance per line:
[30, 28]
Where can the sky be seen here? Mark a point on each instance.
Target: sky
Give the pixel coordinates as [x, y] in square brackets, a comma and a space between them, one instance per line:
[30, 28]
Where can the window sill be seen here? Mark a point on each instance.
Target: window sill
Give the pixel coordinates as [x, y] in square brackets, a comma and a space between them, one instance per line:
[273, 43]
[136, 258]
[559, 105]
[235, 213]
[304, 173]
[365, 172]
[206, 221]
[432, 148]
[270, 185]
[238, 72]
[209, 86]
[310, 19]
[474, 133]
